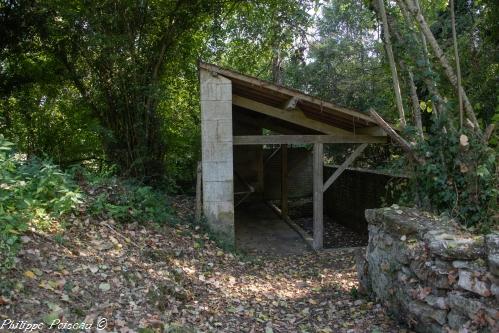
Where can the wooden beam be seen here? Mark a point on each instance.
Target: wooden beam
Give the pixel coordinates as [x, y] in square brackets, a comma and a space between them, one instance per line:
[273, 124]
[318, 166]
[343, 166]
[284, 180]
[303, 234]
[406, 146]
[283, 91]
[297, 118]
[260, 171]
[305, 139]
[291, 103]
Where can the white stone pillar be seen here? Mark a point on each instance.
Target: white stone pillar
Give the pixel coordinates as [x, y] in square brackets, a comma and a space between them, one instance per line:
[217, 154]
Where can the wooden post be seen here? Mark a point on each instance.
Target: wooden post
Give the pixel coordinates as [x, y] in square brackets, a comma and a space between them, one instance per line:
[284, 180]
[198, 192]
[260, 188]
[318, 195]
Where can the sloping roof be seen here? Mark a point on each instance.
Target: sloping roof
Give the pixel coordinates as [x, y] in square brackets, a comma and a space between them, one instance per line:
[274, 95]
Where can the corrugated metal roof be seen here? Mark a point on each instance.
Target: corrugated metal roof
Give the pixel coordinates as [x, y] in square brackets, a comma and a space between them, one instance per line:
[274, 95]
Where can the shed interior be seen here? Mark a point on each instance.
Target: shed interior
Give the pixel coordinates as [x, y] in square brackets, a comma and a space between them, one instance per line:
[276, 137]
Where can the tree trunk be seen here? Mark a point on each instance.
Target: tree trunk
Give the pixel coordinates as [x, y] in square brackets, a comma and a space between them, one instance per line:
[458, 66]
[428, 79]
[414, 9]
[391, 60]
[415, 104]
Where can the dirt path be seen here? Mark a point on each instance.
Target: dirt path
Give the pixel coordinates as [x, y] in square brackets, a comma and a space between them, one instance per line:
[175, 279]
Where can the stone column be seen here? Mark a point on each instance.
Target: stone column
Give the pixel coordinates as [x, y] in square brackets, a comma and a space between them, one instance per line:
[217, 154]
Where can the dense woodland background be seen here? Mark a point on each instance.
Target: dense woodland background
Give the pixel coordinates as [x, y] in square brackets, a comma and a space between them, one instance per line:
[91, 90]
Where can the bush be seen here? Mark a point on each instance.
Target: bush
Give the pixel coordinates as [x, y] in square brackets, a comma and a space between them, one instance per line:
[126, 201]
[33, 193]
[459, 177]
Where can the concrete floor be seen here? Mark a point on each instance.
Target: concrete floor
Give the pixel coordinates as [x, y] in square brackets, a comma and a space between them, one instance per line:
[260, 231]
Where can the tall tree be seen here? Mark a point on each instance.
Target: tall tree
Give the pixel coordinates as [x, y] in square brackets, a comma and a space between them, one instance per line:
[415, 10]
[391, 60]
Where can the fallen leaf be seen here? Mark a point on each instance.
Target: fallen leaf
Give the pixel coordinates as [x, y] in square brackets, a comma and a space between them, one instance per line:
[29, 274]
[104, 286]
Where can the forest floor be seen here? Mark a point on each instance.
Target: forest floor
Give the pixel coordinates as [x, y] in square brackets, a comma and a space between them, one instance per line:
[151, 278]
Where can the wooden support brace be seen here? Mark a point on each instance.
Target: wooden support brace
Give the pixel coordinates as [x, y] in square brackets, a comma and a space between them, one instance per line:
[284, 180]
[318, 166]
[267, 160]
[406, 146]
[343, 166]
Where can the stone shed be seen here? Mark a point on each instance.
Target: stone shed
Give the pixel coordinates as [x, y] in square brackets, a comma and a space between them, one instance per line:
[246, 122]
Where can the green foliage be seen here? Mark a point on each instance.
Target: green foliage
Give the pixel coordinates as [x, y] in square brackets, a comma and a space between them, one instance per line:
[344, 62]
[459, 177]
[126, 201]
[34, 193]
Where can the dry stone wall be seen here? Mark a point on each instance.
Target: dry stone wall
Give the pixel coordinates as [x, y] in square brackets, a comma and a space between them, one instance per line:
[431, 274]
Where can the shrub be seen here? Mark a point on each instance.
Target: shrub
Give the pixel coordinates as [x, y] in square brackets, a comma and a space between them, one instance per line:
[459, 177]
[33, 193]
[126, 201]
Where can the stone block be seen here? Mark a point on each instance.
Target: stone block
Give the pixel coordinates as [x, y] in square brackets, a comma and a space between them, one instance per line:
[216, 110]
[372, 217]
[209, 130]
[437, 302]
[470, 281]
[224, 130]
[425, 313]
[492, 241]
[471, 265]
[217, 152]
[399, 224]
[455, 246]
[456, 320]
[465, 304]
[220, 217]
[494, 289]
[214, 87]
[218, 191]
[493, 261]
[421, 269]
[440, 278]
[217, 171]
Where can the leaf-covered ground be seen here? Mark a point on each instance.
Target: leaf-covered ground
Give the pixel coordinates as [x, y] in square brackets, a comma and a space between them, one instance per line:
[146, 278]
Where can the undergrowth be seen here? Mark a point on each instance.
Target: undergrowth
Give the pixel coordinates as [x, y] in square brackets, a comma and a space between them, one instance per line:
[458, 177]
[35, 194]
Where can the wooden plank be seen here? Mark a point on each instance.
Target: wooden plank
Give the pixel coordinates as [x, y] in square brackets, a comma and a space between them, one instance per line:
[271, 156]
[284, 91]
[198, 192]
[297, 118]
[284, 180]
[318, 166]
[406, 146]
[305, 139]
[344, 165]
[260, 171]
[270, 123]
[303, 234]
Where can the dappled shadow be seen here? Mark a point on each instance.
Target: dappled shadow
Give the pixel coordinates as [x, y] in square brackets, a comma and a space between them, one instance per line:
[145, 276]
